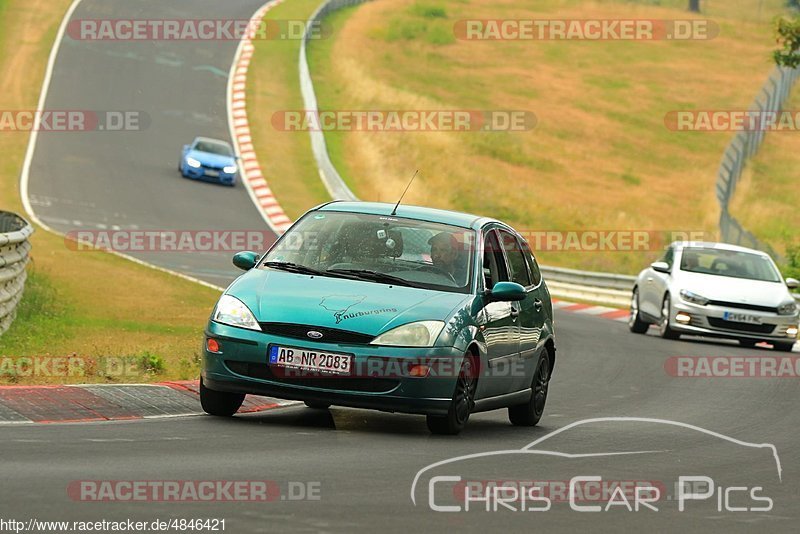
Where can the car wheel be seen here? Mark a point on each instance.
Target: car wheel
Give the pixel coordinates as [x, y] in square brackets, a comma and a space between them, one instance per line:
[530, 413]
[317, 405]
[663, 324]
[635, 323]
[462, 404]
[783, 347]
[218, 402]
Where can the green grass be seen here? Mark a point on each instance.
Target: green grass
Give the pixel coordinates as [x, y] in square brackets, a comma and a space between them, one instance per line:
[92, 306]
[600, 157]
[273, 86]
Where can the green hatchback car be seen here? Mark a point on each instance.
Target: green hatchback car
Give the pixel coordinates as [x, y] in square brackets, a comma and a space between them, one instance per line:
[399, 309]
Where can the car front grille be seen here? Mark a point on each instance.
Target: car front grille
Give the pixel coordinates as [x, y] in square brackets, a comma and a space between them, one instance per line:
[741, 327]
[329, 335]
[263, 371]
[742, 306]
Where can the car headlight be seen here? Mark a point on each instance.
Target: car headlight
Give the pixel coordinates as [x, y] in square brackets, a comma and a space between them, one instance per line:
[233, 312]
[787, 308]
[694, 298]
[191, 162]
[419, 334]
[230, 169]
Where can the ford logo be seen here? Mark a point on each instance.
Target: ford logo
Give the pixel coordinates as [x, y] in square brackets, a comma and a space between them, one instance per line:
[313, 334]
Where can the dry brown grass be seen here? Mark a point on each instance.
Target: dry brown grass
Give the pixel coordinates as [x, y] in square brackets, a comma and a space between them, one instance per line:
[600, 158]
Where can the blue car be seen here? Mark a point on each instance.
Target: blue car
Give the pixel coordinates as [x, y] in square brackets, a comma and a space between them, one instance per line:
[211, 160]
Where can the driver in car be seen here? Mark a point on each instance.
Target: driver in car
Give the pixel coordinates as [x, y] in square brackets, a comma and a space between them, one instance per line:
[445, 255]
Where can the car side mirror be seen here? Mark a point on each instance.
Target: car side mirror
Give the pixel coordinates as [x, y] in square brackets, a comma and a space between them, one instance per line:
[792, 283]
[245, 260]
[507, 292]
[660, 266]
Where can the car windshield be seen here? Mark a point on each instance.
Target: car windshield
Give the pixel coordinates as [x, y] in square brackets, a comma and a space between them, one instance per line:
[214, 147]
[379, 249]
[732, 263]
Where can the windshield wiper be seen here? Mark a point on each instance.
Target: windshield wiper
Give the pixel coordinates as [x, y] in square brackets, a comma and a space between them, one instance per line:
[293, 267]
[374, 276]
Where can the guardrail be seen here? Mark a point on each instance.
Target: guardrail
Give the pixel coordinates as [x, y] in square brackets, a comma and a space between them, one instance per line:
[334, 183]
[14, 256]
[603, 288]
[745, 145]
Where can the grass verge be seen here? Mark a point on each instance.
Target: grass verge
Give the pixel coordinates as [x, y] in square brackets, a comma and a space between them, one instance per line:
[119, 320]
[600, 159]
[273, 86]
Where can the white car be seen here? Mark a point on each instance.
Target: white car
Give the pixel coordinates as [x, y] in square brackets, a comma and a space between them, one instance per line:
[716, 290]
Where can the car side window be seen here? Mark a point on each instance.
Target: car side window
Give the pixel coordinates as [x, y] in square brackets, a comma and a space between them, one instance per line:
[536, 273]
[516, 259]
[494, 266]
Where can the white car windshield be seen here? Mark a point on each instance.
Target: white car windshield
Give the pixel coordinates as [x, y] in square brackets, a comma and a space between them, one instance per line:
[732, 263]
[380, 249]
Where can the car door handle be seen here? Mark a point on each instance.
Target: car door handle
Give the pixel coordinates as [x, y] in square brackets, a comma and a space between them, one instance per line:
[537, 304]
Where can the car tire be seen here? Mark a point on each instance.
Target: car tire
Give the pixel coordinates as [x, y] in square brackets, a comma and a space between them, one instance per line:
[635, 323]
[219, 403]
[531, 412]
[462, 403]
[663, 324]
[317, 405]
[783, 347]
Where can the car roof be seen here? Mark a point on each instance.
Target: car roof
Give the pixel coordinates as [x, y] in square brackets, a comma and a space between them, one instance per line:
[211, 140]
[719, 246]
[453, 218]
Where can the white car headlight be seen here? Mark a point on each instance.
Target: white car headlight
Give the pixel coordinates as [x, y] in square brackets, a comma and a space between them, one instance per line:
[694, 298]
[419, 334]
[230, 169]
[233, 312]
[787, 308]
[191, 162]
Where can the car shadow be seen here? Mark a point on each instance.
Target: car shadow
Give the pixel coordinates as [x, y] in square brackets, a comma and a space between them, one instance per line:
[481, 425]
[720, 342]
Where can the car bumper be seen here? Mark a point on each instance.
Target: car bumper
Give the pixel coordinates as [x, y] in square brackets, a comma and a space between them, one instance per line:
[710, 321]
[208, 175]
[242, 367]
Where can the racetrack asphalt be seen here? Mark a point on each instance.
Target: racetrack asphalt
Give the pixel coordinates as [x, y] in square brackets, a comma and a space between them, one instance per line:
[128, 180]
[363, 463]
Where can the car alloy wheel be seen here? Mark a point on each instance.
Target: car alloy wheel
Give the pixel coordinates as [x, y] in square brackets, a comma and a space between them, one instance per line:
[462, 403]
[530, 413]
[635, 323]
[663, 325]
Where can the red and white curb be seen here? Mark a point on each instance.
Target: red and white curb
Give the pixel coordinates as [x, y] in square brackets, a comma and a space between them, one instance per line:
[250, 171]
[84, 403]
[604, 312]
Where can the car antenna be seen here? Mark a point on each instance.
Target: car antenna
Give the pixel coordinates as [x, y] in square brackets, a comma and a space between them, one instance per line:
[394, 211]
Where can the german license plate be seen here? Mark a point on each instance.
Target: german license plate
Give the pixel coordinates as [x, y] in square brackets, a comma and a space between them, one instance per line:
[210, 172]
[741, 318]
[312, 360]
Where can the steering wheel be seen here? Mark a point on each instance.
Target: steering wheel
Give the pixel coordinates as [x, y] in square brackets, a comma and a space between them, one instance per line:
[436, 270]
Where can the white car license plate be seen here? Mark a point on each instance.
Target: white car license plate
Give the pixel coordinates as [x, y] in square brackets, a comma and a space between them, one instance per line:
[313, 360]
[741, 318]
[213, 173]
